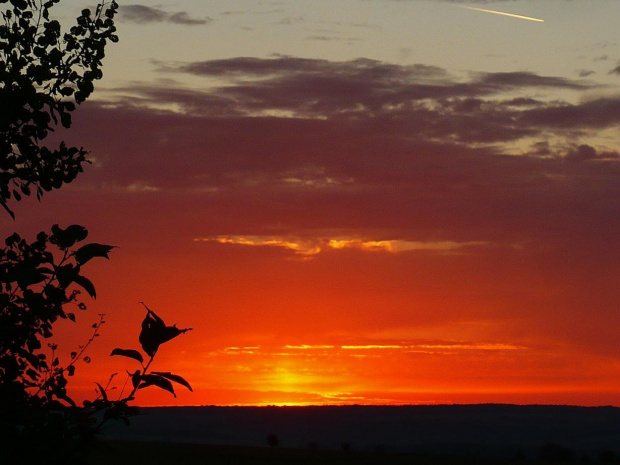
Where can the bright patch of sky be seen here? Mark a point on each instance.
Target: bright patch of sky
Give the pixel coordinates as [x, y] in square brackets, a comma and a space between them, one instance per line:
[575, 37]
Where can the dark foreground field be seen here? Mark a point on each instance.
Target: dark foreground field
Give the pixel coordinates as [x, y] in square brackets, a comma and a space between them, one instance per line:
[404, 434]
[132, 453]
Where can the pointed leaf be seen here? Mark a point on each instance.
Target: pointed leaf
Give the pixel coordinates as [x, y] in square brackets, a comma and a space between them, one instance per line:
[88, 251]
[102, 392]
[155, 332]
[86, 284]
[8, 210]
[136, 376]
[175, 378]
[66, 398]
[66, 275]
[154, 380]
[131, 353]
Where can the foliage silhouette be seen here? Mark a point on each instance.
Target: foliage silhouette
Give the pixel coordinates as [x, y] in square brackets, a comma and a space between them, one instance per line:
[40, 282]
[43, 75]
[154, 337]
[155, 332]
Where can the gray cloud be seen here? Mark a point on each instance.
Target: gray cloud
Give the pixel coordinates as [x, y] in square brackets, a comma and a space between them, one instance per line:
[323, 123]
[142, 14]
[465, 111]
[586, 152]
[524, 79]
[308, 148]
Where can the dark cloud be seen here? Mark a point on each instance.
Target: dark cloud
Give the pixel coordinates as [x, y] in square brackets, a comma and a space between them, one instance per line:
[588, 153]
[368, 70]
[595, 114]
[586, 73]
[288, 65]
[250, 173]
[142, 14]
[313, 145]
[300, 148]
[523, 79]
[426, 100]
[326, 38]
[524, 102]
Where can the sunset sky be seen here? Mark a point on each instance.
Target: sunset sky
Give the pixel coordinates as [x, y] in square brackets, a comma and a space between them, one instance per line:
[355, 201]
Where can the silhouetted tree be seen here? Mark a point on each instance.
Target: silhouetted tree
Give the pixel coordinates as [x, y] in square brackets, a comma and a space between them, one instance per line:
[41, 283]
[273, 441]
[44, 74]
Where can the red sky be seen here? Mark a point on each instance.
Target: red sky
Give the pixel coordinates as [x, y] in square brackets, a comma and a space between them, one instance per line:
[352, 231]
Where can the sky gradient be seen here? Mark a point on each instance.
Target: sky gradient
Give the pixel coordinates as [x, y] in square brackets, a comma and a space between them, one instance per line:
[362, 201]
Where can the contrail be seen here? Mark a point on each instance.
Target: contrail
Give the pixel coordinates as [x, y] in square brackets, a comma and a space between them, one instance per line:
[503, 14]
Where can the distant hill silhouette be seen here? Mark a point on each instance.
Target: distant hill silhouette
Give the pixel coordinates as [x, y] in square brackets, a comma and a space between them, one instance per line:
[482, 430]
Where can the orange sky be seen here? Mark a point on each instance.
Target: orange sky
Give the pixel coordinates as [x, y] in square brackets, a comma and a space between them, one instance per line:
[389, 227]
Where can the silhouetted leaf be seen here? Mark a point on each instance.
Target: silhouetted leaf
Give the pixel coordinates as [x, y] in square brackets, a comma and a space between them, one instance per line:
[136, 376]
[131, 353]
[104, 395]
[65, 238]
[88, 251]
[160, 382]
[66, 274]
[8, 210]
[176, 378]
[155, 332]
[86, 284]
[28, 276]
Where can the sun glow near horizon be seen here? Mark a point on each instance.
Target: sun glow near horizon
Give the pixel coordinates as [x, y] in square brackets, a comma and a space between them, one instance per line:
[373, 202]
[410, 373]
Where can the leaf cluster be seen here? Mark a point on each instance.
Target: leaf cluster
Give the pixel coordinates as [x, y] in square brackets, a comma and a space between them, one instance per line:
[40, 283]
[154, 332]
[44, 74]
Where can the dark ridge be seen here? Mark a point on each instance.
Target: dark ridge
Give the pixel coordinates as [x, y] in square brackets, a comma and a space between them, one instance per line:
[488, 430]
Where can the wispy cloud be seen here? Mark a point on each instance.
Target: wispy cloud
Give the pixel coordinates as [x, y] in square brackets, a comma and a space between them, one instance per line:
[142, 14]
[348, 350]
[309, 346]
[377, 156]
[586, 72]
[298, 246]
[397, 246]
[138, 187]
[311, 247]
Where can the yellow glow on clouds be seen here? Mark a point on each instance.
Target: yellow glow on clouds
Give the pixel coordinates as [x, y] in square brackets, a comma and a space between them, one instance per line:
[404, 347]
[310, 247]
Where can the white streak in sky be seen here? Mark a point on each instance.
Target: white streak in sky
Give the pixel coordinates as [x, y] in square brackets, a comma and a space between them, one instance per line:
[503, 14]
